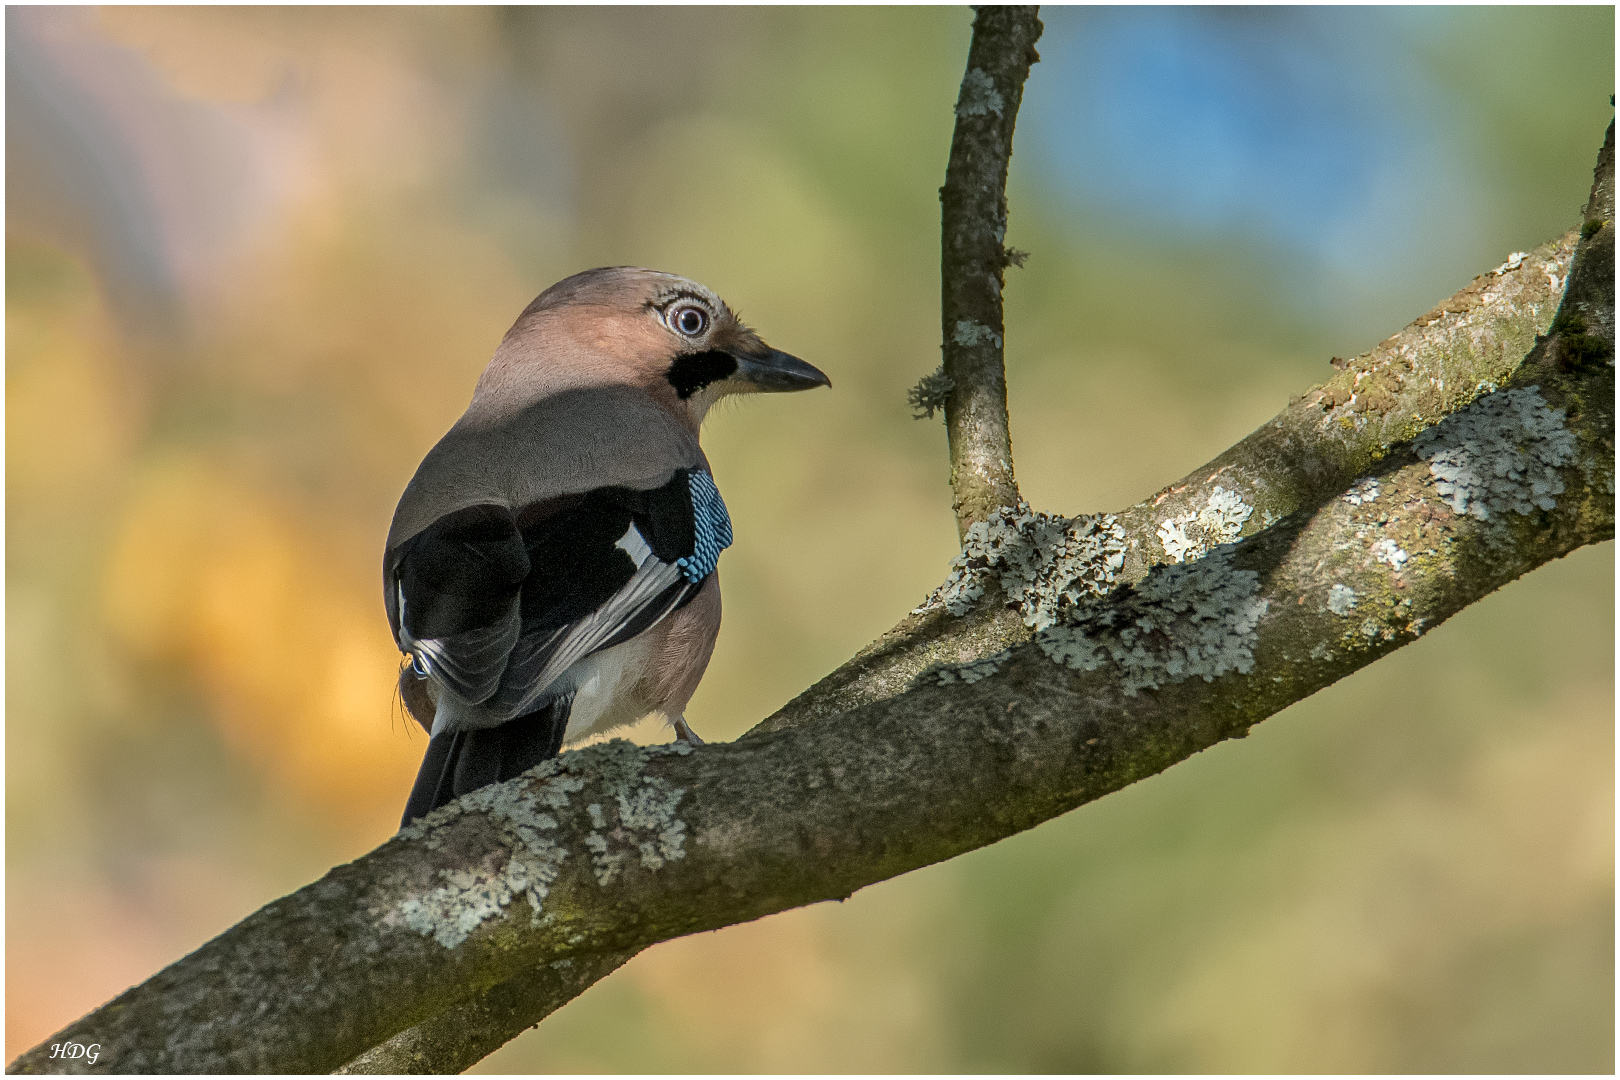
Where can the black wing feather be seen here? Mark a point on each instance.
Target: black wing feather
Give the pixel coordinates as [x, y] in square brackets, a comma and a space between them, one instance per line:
[452, 587]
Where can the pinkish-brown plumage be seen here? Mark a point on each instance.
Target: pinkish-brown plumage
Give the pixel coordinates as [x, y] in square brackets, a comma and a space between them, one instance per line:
[550, 567]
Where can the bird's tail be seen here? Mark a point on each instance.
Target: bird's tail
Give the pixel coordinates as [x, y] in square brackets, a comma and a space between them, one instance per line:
[461, 761]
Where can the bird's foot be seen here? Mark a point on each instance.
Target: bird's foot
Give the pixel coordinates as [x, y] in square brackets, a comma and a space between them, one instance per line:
[686, 734]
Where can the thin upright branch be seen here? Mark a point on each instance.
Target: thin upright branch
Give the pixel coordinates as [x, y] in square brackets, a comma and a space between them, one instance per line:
[974, 256]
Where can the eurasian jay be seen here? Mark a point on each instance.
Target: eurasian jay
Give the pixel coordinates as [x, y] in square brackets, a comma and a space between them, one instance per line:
[550, 571]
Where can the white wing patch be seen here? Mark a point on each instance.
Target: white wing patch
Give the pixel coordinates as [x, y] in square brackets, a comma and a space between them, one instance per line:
[632, 544]
[491, 653]
[584, 637]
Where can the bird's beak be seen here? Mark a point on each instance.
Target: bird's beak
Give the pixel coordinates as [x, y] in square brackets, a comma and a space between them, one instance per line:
[774, 371]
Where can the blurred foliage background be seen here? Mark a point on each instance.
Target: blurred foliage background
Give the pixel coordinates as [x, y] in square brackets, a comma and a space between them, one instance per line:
[256, 258]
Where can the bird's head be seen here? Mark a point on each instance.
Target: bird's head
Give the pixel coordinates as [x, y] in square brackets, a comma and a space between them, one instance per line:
[664, 334]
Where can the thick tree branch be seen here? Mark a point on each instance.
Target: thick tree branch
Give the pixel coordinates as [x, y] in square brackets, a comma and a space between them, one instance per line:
[973, 257]
[1491, 448]
[1308, 454]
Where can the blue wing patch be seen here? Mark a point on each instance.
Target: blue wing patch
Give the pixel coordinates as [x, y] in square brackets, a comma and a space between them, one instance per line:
[711, 527]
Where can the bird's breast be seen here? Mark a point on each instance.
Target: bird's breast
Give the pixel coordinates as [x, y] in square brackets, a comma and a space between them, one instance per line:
[607, 688]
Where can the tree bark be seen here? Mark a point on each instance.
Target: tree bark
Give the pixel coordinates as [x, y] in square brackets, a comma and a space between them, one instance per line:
[464, 1034]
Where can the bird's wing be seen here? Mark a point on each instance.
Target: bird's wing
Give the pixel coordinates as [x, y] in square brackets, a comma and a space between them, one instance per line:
[542, 655]
[600, 567]
[456, 590]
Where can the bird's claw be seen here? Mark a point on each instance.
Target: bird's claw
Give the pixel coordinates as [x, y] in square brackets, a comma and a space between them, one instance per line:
[685, 733]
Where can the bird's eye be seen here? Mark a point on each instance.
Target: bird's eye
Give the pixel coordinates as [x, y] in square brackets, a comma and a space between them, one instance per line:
[690, 321]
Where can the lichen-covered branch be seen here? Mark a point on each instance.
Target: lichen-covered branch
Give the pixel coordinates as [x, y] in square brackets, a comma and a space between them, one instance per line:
[972, 382]
[1348, 428]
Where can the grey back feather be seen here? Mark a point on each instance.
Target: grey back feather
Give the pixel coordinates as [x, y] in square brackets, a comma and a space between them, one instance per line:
[566, 442]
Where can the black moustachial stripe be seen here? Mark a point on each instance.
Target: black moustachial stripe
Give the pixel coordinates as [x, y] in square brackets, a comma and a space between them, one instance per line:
[691, 372]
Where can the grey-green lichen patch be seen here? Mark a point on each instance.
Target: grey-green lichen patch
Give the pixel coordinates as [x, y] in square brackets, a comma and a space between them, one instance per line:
[971, 672]
[523, 814]
[1363, 491]
[635, 821]
[928, 396]
[1500, 454]
[969, 333]
[979, 95]
[1044, 563]
[1219, 521]
[1195, 620]
[1341, 600]
[647, 830]
[1388, 551]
